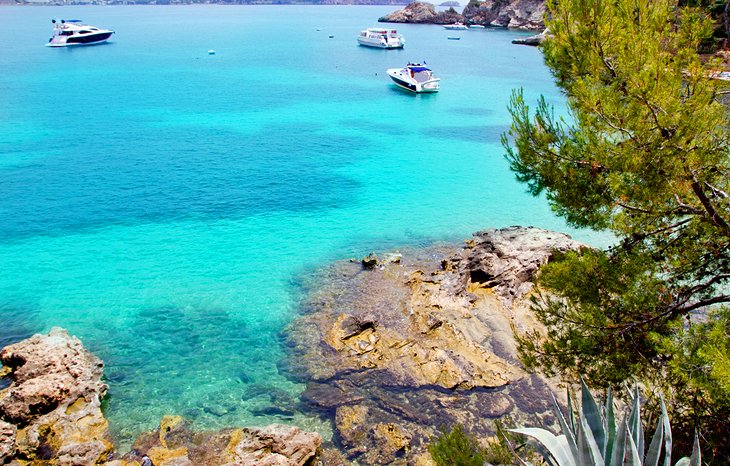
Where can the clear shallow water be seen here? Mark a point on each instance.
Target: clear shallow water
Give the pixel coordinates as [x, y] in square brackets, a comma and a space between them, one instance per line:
[162, 203]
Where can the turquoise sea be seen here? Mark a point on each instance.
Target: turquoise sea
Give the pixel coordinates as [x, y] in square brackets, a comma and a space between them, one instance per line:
[165, 205]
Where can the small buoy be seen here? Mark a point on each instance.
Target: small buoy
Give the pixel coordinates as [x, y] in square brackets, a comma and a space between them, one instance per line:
[331, 36]
[211, 52]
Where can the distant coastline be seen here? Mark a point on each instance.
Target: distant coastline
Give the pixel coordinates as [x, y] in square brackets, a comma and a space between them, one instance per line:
[199, 2]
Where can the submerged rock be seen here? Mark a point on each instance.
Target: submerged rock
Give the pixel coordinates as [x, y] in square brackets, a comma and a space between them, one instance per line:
[393, 353]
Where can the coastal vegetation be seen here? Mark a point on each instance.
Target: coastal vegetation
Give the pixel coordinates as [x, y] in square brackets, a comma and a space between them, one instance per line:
[644, 156]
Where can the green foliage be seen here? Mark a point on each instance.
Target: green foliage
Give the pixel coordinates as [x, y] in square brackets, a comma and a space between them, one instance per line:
[644, 156]
[595, 437]
[456, 448]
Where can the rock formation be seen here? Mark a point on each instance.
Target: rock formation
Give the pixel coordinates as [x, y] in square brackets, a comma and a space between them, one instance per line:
[422, 13]
[394, 352]
[52, 408]
[50, 414]
[523, 14]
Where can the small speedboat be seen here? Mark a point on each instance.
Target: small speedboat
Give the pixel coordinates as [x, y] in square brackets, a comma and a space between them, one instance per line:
[381, 38]
[456, 27]
[454, 38]
[477, 26]
[414, 77]
[74, 32]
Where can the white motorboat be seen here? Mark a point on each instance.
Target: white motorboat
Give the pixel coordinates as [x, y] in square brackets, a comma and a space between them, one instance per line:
[74, 32]
[414, 77]
[381, 38]
[455, 27]
[477, 26]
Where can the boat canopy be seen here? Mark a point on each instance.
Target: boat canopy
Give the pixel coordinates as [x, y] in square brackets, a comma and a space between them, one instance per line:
[416, 69]
[73, 20]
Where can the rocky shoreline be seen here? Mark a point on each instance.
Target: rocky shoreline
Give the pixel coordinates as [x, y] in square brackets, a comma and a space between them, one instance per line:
[519, 14]
[50, 414]
[390, 349]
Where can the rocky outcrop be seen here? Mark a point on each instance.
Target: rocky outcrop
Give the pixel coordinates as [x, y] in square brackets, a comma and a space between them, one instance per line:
[535, 40]
[392, 352]
[422, 13]
[53, 405]
[50, 414]
[522, 14]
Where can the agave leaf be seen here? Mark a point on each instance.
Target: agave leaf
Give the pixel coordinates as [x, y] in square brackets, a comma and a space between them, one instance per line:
[634, 458]
[619, 449]
[610, 427]
[557, 446]
[682, 462]
[567, 431]
[589, 453]
[635, 428]
[655, 447]
[696, 458]
[592, 416]
[667, 434]
[571, 415]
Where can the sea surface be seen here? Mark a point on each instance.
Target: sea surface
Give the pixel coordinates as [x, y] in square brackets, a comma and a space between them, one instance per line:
[165, 205]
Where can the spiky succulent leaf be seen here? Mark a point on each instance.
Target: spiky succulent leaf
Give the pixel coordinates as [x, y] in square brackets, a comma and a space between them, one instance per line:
[556, 445]
[592, 415]
[619, 448]
[655, 447]
[610, 427]
[633, 458]
[566, 428]
[667, 434]
[696, 458]
[588, 450]
[682, 462]
[636, 430]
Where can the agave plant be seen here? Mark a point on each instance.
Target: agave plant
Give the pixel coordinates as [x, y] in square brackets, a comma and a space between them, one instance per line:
[594, 438]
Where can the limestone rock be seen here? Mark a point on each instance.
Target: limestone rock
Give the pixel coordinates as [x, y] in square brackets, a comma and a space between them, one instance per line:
[523, 14]
[173, 443]
[422, 13]
[395, 352]
[54, 400]
[535, 40]
[7, 441]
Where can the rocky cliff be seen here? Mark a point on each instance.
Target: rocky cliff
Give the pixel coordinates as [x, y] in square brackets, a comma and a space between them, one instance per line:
[523, 14]
[392, 349]
[50, 414]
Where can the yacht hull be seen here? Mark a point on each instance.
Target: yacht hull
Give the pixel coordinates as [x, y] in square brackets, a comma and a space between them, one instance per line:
[404, 82]
[366, 43]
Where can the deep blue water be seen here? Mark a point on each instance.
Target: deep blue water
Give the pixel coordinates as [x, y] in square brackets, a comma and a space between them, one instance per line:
[162, 203]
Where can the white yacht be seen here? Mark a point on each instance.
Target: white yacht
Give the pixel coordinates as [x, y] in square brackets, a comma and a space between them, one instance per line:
[381, 38]
[74, 32]
[414, 77]
[456, 27]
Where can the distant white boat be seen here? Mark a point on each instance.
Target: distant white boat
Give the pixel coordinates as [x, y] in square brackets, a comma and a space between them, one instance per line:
[74, 32]
[415, 78]
[455, 27]
[454, 38]
[381, 38]
[211, 52]
[477, 26]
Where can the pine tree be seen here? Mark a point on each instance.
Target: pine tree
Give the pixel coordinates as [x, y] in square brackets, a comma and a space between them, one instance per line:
[643, 155]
